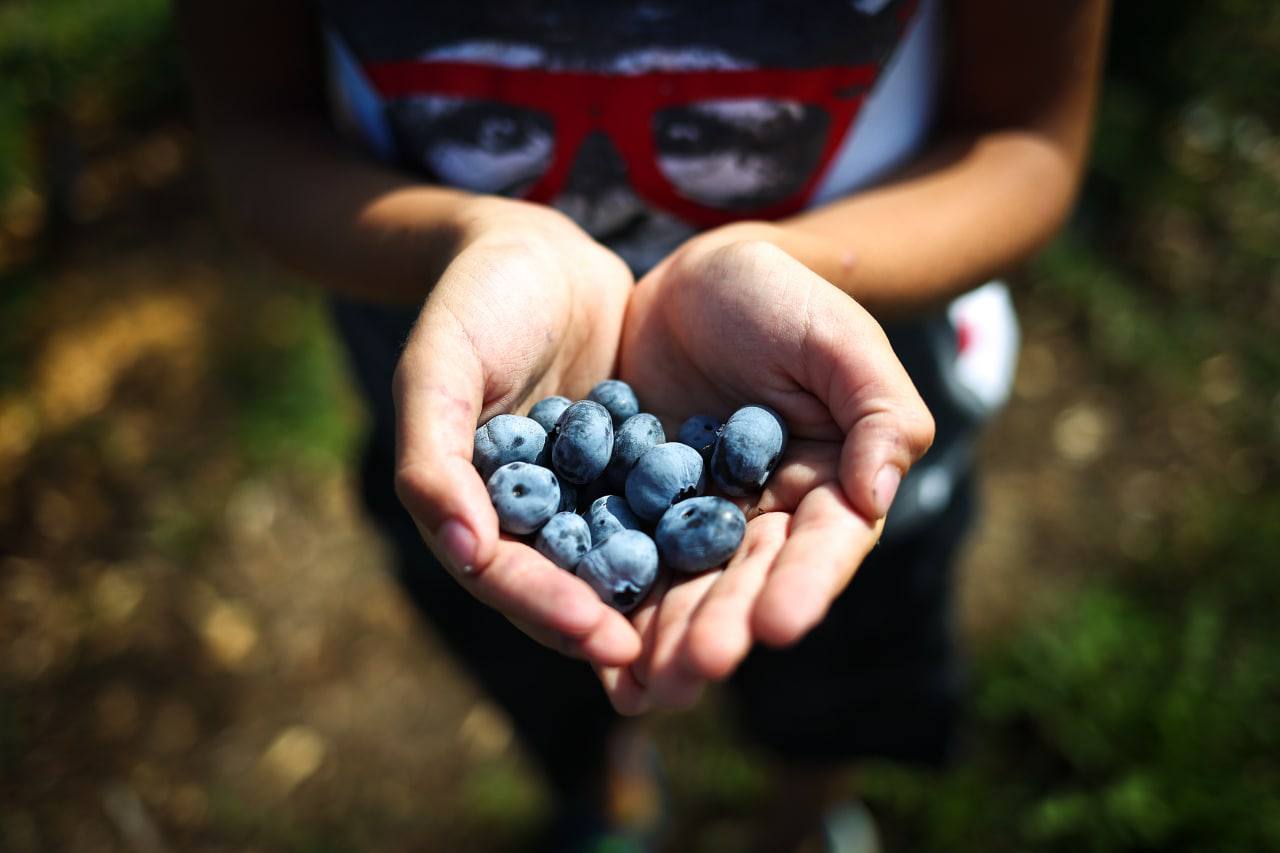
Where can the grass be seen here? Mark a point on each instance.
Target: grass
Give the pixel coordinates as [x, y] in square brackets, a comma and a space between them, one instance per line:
[287, 376]
[68, 61]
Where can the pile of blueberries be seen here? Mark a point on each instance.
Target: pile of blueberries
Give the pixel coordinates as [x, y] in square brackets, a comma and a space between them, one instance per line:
[604, 456]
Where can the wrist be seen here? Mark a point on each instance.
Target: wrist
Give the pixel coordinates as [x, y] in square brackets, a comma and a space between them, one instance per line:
[495, 221]
[539, 236]
[746, 231]
[830, 260]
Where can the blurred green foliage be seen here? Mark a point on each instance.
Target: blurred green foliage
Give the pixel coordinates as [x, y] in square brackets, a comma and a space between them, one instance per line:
[283, 370]
[60, 59]
[1127, 723]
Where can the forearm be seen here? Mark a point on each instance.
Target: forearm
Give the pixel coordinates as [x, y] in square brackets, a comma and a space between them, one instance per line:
[303, 195]
[971, 207]
[288, 181]
[999, 181]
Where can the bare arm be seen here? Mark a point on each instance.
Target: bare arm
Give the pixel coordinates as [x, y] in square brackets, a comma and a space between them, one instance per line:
[288, 180]
[997, 184]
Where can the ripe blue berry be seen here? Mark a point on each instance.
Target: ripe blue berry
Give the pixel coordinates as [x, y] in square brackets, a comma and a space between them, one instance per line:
[700, 433]
[507, 438]
[548, 410]
[748, 450]
[609, 515]
[622, 570]
[564, 539]
[700, 533]
[665, 475]
[630, 441]
[616, 396]
[583, 442]
[524, 495]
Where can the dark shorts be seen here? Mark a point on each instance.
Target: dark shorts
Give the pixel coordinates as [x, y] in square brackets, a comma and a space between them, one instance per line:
[881, 675]
[878, 678]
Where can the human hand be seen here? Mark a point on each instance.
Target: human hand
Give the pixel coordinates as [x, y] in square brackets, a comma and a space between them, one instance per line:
[530, 306]
[720, 324]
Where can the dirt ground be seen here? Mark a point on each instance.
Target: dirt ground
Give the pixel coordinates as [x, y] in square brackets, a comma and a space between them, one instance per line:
[201, 652]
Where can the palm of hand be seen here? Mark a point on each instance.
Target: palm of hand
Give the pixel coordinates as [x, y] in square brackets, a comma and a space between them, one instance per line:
[541, 325]
[713, 330]
[515, 317]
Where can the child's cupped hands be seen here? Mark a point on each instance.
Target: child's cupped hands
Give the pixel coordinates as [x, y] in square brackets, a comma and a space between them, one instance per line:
[531, 306]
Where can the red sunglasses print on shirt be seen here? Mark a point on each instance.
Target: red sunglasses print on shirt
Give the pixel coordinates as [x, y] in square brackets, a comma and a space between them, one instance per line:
[687, 138]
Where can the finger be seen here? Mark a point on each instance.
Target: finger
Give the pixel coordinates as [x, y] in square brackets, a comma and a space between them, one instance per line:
[627, 695]
[672, 683]
[612, 642]
[805, 466]
[438, 390]
[524, 586]
[720, 635]
[852, 367]
[644, 619]
[828, 541]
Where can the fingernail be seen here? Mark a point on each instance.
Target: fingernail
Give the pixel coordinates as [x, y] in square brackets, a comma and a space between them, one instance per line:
[884, 488]
[459, 544]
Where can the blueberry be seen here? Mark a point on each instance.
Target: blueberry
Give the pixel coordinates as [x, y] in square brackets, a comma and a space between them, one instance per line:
[564, 539]
[583, 442]
[700, 533]
[665, 475]
[548, 410]
[700, 433]
[609, 515]
[616, 396]
[507, 438]
[636, 435]
[622, 570]
[524, 495]
[748, 450]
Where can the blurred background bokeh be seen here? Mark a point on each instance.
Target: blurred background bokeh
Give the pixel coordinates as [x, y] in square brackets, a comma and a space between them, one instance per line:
[199, 649]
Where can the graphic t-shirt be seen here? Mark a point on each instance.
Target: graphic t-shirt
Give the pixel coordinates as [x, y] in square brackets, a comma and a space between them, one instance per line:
[648, 121]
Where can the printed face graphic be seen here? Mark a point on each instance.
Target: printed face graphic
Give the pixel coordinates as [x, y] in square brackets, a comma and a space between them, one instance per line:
[741, 154]
[642, 122]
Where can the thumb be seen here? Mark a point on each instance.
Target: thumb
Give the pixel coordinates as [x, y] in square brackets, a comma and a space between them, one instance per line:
[887, 426]
[438, 390]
